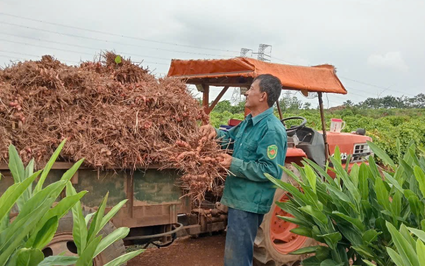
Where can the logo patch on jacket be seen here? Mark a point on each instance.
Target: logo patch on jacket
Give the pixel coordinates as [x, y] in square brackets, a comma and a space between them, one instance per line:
[272, 151]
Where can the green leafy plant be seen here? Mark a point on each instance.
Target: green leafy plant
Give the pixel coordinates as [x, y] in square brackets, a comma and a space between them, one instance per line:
[349, 213]
[23, 239]
[86, 232]
[410, 252]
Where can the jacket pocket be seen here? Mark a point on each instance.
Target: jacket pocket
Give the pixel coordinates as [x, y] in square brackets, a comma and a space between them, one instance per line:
[250, 150]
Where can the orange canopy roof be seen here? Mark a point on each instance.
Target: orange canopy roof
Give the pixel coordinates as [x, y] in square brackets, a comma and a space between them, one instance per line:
[235, 71]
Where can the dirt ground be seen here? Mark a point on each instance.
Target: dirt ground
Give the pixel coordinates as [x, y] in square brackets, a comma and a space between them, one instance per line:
[186, 251]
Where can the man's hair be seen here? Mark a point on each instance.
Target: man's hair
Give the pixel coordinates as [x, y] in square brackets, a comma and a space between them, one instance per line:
[272, 86]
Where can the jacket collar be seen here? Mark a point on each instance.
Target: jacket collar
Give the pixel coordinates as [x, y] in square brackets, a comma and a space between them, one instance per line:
[260, 117]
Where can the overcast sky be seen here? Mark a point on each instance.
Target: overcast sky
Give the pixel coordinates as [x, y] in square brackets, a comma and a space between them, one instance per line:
[377, 46]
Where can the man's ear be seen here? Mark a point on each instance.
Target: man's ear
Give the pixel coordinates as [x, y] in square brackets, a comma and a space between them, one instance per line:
[264, 97]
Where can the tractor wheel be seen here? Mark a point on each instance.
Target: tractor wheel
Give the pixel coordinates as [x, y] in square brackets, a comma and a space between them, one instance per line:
[64, 242]
[274, 241]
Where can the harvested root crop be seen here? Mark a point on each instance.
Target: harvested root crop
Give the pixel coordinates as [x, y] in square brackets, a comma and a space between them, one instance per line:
[113, 113]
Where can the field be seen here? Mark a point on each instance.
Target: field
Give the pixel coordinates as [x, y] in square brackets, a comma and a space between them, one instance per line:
[384, 125]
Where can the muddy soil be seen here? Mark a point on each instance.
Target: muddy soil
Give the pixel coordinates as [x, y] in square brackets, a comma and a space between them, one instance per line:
[187, 251]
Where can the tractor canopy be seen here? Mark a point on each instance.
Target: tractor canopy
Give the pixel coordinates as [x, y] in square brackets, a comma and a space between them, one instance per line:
[240, 72]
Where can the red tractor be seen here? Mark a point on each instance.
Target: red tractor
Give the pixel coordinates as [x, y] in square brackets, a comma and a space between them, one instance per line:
[274, 240]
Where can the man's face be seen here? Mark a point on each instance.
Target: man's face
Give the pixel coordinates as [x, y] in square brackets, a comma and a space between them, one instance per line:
[254, 97]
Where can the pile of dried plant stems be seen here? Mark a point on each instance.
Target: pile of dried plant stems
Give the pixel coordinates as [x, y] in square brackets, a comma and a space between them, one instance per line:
[113, 113]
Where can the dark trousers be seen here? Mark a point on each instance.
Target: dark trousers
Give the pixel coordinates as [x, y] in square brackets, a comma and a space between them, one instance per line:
[242, 228]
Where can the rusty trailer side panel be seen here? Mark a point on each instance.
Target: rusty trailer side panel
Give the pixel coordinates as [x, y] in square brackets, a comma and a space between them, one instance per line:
[154, 197]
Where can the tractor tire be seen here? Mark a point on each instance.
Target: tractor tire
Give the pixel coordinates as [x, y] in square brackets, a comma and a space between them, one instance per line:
[274, 241]
[63, 241]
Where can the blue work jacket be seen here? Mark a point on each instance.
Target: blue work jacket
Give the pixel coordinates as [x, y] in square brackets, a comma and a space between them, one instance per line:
[259, 145]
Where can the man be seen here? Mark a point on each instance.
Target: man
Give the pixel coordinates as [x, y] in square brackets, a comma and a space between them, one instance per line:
[259, 145]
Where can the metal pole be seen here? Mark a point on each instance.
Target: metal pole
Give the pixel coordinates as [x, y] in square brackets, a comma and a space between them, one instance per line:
[278, 109]
[322, 117]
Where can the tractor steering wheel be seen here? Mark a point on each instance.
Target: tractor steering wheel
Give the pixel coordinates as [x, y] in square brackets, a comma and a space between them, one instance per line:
[291, 131]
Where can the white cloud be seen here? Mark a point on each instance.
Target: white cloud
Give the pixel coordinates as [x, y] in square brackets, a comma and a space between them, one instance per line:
[391, 60]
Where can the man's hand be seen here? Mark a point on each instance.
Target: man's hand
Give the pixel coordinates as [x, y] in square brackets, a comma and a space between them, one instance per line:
[208, 131]
[225, 160]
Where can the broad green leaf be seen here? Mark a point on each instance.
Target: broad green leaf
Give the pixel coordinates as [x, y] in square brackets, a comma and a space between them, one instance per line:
[118, 60]
[58, 260]
[341, 196]
[44, 199]
[396, 207]
[350, 233]
[420, 177]
[354, 221]
[45, 235]
[296, 194]
[29, 170]
[20, 228]
[420, 250]
[419, 233]
[48, 166]
[29, 257]
[412, 152]
[410, 176]
[406, 251]
[16, 166]
[316, 232]
[4, 223]
[332, 239]
[292, 208]
[60, 210]
[116, 235]
[368, 263]
[395, 257]
[311, 177]
[306, 250]
[320, 216]
[406, 234]
[394, 182]
[50, 193]
[416, 206]
[381, 154]
[65, 205]
[97, 220]
[88, 217]
[302, 231]
[79, 229]
[382, 194]
[87, 255]
[311, 261]
[341, 173]
[370, 235]
[322, 252]
[337, 155]
[124, 258]
[330, 262]
[320, 170]
[363, 181]
[291, 174]
[373, 168]
[354, 174]
[11, 195]
[311, 198]
[364, 251]
[294, 220]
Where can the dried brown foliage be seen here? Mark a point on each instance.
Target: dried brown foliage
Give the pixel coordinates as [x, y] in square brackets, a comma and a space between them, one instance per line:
[115, 115]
